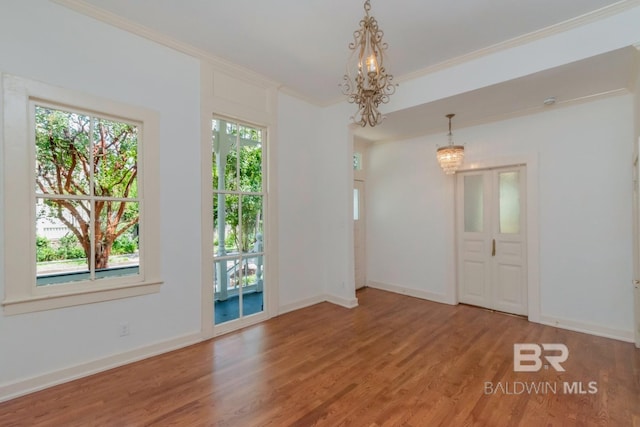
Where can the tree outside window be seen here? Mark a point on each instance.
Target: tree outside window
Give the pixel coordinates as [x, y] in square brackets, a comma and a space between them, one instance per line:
[87, 204]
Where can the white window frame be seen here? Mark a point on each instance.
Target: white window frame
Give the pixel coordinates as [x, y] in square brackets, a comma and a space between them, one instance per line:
[18, 149]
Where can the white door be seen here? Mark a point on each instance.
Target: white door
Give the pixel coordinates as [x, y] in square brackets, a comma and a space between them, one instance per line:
[636, 247]
[359, 234]
[491, 228]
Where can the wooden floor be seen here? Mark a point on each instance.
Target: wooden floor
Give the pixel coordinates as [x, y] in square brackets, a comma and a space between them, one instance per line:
[393, 361]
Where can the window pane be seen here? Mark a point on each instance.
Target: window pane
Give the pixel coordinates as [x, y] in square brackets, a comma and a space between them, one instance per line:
[225, 156]
[252, 295]
[251, 230]
[62, 152]
[473, 207]
[510, 202]
[251, 162]
[115, 155]
[226, 278]
[116, 239]
[62, 241]
[356, 204]
[226, 237]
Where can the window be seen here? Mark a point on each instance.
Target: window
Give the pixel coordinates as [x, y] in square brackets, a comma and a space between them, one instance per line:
[238, 219]
[81, 204]
[86, 186]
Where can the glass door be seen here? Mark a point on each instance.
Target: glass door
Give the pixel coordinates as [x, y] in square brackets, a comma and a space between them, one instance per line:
[238, 220]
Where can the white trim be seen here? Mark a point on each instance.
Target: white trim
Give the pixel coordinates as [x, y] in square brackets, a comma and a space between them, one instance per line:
[206, 207]
[19, 388]
[21, 293]
[303, 303]
[587, 328]
[416, 293]
[271, 173]
[533, 229]
[51, 301]
[342, 302]
[234, 325]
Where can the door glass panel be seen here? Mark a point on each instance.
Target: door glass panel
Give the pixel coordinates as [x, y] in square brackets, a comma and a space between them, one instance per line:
[356, 204]
[509, 202]
[473, 207]
[357, 161]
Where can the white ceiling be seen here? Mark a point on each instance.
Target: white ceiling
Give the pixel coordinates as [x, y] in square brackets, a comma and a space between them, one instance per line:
[302, 44]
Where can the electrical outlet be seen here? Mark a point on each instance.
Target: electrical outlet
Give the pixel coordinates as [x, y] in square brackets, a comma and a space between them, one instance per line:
[124, 329]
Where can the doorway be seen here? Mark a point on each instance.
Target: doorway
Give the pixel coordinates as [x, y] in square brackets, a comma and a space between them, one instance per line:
[491, 239]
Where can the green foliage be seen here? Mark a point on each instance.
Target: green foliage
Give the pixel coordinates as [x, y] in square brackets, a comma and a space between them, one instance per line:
[125, 244]
[69, 248]
[44, 251]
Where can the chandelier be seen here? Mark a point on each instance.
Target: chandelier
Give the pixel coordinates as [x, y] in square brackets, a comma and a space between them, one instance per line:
[450, 157]
[366, 82]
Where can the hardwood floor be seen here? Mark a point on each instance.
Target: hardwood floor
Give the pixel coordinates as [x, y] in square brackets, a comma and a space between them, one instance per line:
[393, 361]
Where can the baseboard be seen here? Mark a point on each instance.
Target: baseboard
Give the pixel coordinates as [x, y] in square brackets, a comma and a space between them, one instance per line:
[587, 328]
[431, 296]
[297, 305]
[343, 302]
[40, 382]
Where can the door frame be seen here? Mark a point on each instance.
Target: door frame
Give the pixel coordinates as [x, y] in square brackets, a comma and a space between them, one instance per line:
[636, 243]
[361, 217]
[530, 161]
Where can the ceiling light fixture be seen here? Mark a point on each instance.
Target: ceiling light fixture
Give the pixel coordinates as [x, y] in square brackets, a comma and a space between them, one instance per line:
[450, 157]
[366, 82]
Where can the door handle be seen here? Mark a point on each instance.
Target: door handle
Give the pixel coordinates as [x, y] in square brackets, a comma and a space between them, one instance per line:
[493, 248]
[636, 284]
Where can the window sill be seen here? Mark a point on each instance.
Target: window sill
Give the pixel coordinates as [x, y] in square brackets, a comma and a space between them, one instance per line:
[31, 304]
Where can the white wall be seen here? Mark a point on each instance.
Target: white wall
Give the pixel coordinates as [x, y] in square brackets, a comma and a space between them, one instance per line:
[46, 42]
[410, 214]
[584, 154]
[300, 219]
[335, 194]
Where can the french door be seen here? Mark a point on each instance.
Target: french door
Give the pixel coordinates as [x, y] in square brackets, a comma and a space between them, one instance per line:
[238, 220]
[491, 224]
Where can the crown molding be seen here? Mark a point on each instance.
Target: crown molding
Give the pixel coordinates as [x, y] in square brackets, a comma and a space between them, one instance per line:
[140, 30]
[560, 27]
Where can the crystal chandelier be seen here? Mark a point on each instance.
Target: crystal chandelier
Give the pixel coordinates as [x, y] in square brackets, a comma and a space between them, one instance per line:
[450, 157]
[366, 82]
